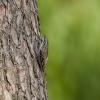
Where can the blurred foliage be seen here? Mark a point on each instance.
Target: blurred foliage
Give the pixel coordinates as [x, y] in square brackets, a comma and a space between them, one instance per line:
[73, 31]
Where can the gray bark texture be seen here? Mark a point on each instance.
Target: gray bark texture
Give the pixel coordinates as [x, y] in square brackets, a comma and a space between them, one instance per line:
[23, 52]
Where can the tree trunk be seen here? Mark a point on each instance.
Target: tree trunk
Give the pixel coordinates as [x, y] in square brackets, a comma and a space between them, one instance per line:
[23, 52]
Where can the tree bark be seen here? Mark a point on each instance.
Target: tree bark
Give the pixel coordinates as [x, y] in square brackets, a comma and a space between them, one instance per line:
[23, 52]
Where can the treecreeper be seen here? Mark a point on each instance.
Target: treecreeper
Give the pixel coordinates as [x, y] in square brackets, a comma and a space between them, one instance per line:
[41, 51]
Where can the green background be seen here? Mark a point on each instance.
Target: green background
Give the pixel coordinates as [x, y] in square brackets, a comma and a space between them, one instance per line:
[73, 31]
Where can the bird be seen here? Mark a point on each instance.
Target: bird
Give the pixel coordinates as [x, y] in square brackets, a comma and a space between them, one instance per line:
[41, 52]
